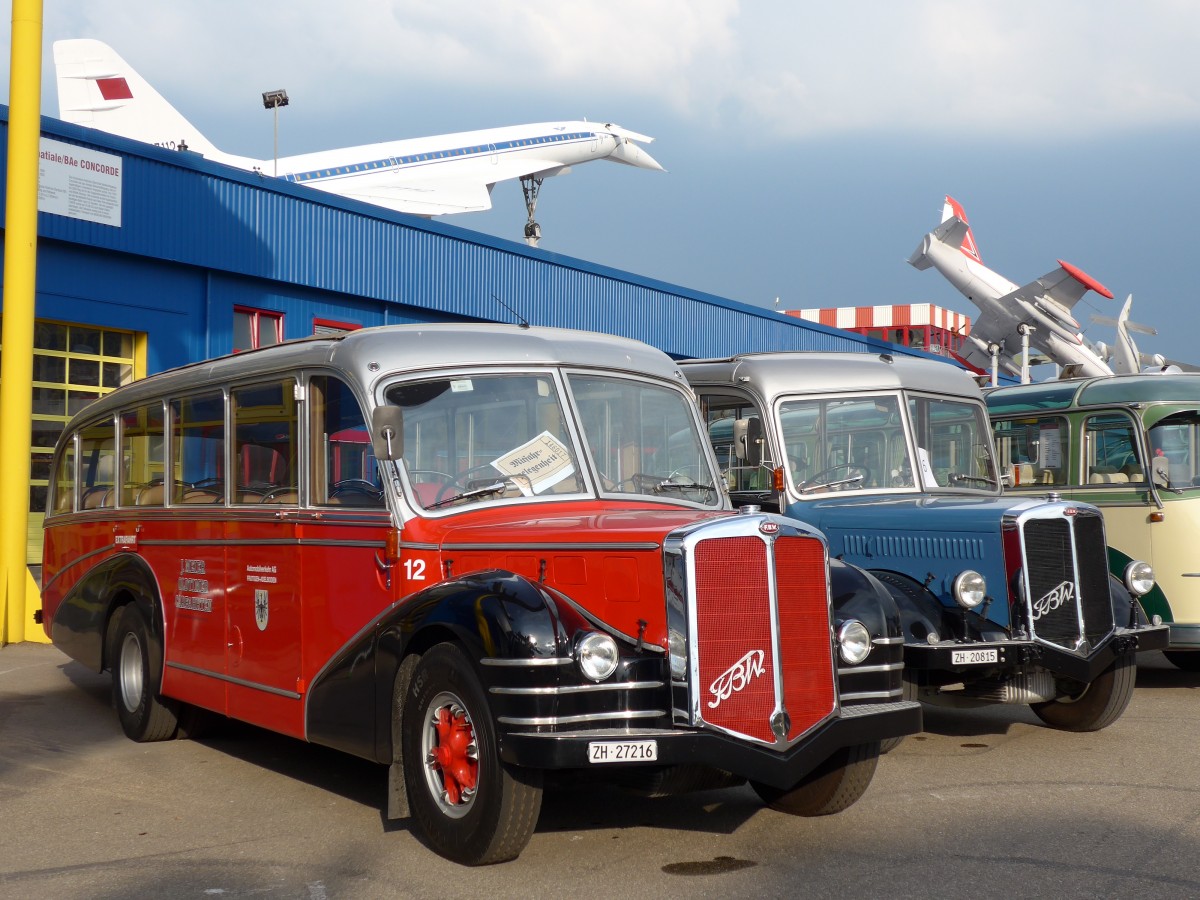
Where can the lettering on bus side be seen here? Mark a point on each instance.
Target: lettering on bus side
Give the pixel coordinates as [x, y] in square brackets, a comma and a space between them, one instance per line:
[192, 593]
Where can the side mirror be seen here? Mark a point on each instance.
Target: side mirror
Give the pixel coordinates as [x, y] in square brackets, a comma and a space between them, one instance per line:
[748, 440]
[387, 432]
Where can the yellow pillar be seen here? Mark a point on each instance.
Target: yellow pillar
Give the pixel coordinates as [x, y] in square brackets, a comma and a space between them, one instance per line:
[20, 267]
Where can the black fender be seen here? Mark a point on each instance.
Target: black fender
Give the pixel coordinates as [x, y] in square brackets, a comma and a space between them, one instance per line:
[1127, 609]
[857, 594]
[80, 623]
[921, 613]
[493, 613]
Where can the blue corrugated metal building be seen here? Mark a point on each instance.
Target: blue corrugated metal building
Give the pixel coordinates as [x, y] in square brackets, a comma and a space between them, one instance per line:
[207, 258]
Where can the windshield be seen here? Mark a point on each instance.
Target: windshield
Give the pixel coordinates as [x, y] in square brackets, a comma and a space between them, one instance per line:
[862, 444]
[848, 444]
[953, 451]
[643, 439]
[1174, 446]
[476, 438]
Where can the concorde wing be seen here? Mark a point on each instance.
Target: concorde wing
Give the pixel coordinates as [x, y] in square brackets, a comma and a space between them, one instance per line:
[1057, 292]
[433, 197]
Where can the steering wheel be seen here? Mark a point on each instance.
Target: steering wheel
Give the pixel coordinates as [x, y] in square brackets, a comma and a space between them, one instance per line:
[640, 482]
[360, 485]
[849, 468]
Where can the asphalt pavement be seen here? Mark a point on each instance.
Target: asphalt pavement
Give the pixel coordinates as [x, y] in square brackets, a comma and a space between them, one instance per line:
[984, 804]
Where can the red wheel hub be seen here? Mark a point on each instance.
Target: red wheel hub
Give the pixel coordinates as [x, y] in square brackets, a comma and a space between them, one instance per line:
[452, 755]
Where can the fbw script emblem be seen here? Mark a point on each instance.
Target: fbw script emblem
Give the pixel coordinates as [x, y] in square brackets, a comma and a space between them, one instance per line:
[1059, 596]
[261, 609]
[736, 677]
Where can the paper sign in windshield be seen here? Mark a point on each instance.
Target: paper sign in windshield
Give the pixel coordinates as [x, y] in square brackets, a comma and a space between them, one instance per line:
[536, 465]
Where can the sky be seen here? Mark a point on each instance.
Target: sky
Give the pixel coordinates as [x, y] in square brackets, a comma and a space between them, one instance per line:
[808, 146]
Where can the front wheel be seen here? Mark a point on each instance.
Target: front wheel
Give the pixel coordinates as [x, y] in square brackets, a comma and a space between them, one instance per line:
[145, 715]
[831, 787]
[1096, 705]
[470, 806]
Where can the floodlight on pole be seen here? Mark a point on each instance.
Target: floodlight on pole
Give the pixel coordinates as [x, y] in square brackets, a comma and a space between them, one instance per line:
[274, 100]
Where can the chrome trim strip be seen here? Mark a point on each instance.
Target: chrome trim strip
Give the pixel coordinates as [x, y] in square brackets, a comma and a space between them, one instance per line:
[880, 642]
[264, 542]
[532, 661]
[573, 720]
[536, 548]
[882, 667]
[578, 688]
[279, 692]
[874, 695]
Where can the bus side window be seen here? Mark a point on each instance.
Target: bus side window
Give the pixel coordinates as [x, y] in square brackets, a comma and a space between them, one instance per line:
[343, 469]
[265, 443]
[142, 456]
[64, 482]
[98, 470]
[198, 449]
[1112, 456]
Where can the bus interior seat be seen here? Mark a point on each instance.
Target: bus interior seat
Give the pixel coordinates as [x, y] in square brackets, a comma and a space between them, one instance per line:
[149, 495]
[97, 497]
[200, 495]
[285, 495]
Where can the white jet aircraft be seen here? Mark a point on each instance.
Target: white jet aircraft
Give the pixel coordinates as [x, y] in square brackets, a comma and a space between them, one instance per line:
[1040, 309]
[429, 176]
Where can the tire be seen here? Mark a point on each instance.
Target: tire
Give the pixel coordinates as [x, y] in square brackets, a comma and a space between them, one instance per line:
[831, 787]
[469, 806]
[144, 715]
[910, 693]
[1187, 660]
[1098, 705]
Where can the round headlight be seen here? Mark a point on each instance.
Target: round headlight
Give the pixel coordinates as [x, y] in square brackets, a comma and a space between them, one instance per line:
[854, 642]
[597, 656]
[1139, 577]
[970, 589]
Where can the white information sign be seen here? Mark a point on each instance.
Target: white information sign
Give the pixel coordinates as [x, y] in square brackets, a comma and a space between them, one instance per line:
[927, 477]
[79, 183]
[1050, 449]
[537, 464]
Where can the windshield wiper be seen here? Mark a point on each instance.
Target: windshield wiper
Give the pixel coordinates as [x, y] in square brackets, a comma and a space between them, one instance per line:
[853, 479]
[670, 485]
[495, 488]
[956, 477]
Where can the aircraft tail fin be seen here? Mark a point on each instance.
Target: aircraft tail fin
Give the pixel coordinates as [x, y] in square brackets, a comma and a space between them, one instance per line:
[97, 88]
[953, 231]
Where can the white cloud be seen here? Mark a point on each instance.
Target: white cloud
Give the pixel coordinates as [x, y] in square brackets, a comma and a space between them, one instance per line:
[1023, 69]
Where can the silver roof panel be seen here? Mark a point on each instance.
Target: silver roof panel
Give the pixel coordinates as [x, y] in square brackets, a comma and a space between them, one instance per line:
[823, 373]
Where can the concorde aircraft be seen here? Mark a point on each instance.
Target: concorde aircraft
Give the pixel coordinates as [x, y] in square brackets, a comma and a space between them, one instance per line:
[1042, 308]
[431, 176]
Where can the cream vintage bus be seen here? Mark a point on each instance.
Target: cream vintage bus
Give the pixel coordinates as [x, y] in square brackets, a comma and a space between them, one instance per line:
[1130, 444]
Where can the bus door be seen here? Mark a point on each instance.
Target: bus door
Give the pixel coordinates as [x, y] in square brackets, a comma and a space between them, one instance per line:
[263, 565]
[192, 567]
[347, 582]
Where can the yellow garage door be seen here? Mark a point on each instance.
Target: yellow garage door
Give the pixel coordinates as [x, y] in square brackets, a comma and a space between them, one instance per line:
[72, 366]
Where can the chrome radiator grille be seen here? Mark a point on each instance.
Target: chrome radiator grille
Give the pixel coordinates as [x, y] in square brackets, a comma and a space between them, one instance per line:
[745, 595]
[1066, 578]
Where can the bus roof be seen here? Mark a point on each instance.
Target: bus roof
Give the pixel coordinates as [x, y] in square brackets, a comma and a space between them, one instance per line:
[371, 353]
[803, 372]
[1180, 387]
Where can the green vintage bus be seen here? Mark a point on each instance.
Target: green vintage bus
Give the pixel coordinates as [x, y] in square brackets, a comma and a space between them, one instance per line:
[1130, 444]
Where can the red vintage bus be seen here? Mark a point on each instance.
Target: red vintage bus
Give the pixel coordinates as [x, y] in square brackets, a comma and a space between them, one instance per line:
[472, 553]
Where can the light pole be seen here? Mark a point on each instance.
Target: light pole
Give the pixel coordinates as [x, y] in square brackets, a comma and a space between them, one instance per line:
[274, 100]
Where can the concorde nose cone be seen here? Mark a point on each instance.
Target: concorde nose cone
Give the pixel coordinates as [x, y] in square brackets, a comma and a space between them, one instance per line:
[631, 154]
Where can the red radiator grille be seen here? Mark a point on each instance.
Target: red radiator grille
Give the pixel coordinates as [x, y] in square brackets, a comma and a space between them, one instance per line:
[733, 627]
[805, 638]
